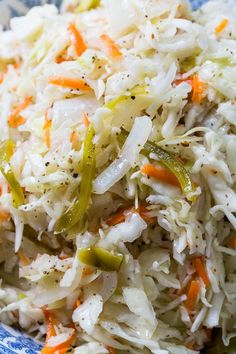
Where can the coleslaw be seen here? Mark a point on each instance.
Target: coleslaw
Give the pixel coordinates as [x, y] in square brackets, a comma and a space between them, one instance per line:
[118, 173]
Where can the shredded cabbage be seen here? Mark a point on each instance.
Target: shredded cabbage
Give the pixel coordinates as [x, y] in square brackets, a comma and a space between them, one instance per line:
[118, 175]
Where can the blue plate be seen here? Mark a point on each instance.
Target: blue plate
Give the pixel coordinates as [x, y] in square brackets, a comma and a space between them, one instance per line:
[11, 341]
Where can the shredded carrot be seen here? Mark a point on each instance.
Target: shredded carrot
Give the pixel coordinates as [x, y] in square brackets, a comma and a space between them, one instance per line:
[160, 173]
[51, 332]
[4, 215]
[198, 90]
[61, 348]
[77, 40]
[86, 120]
[74, 139]
[24, 260]
[69, 82]
[199, 266]
[189, 81]
[47, 130]
[60, 59]
[111, 48]
[87, 271]
[142, 210]
[192, 295]
[16, 65]
[64, 256]
[198, 87]
[1, 78]
[78, 303]
[121, 215]
[221, 26]
[0, 189]
[14, 119]
[111, 350]
[232, 242]
[190, 345]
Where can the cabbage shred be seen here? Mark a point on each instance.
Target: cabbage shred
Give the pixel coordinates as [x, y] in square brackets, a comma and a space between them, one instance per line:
[118, 173]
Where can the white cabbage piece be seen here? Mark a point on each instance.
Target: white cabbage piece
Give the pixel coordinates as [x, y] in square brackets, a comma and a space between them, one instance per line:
[60, 338]
[28, 314]
[44, 265]
[180, 350]
[214, 313]
[154, 260]
[87, 314]
[127, 231]
[122, 9]
[28, 26]
[117, 330]
[71, 110]
[91, 348]
[128, 157]
[109, 285]
[138, 303]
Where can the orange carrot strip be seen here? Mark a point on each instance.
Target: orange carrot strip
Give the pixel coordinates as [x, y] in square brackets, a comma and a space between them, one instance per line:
[221, 26]
[191, 345]
[198, 90]
[4, 216]
[87, 271]
[17, 65]
[189, 80]
[1, 78]
[77, 40]
[51, 332]
[74, 139]
[119, 216]
[47, 130]
[232, 242]
[160, 173]
[78, 303]
[111, 48]
[86, 120]
[69, 82]
[61, 348]
[14, 120]
[142, 210]
[64, 256]
[60, 59]
[111, 350]
[24, 260]
[201, 271]
[192, 295]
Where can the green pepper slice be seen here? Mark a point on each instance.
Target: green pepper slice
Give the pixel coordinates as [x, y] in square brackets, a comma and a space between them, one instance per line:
[86, 5]
[100, 258]
[77, 214]
[168, 160]
[6, 151]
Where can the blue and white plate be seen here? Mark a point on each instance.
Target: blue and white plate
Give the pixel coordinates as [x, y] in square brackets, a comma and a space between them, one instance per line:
[14, 342]
[11, 341]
